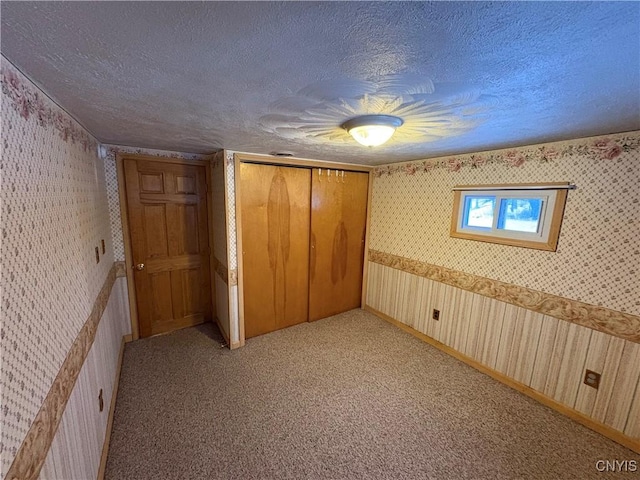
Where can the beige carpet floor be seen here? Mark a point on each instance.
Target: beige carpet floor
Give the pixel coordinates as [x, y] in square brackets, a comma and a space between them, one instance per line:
[349, 397]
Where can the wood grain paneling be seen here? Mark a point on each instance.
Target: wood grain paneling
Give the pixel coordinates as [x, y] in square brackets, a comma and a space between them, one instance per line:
[275, 204]
[627, 374]
[633, 422]
[596, 357]
[608, 379]
[547, 355]
[602, 319]
[571, 371]
[506, 339]
[489, 333]
[555, 360]
[544, 352]
[459, 340]
[475, 318]
[435, 302]
[522, 354]
[338, 220]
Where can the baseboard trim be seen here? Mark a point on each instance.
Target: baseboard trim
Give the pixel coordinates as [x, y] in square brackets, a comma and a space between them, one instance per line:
[112, 408]
[607, 431]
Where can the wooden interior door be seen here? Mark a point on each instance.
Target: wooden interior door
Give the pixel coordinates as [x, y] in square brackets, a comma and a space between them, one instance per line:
[167, 206]
[338, 222]
[275, 213]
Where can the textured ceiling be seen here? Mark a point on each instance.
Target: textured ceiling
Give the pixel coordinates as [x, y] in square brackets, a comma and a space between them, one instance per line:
[281, 77]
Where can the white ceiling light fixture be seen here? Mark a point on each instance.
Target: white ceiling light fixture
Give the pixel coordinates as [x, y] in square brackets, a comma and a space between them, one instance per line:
[372, 130]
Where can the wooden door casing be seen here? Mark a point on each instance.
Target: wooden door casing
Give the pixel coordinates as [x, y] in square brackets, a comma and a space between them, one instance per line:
[168, 224]
[275, 211]
[338, 227]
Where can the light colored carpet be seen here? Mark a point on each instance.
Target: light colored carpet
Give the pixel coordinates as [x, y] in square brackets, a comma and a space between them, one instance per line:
[346, 397]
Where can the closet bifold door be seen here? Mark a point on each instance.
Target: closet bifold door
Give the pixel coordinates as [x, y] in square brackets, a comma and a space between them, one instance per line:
[275, 203]
[338, 222]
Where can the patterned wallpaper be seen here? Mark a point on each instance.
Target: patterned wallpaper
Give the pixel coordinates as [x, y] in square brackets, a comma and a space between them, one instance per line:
[231, 210]
[599, 248]
[54, 214]
[219, 211]
[112, 185]
[234, 315]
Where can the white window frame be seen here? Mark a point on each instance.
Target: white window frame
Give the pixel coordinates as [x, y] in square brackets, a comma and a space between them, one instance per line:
[553, 195]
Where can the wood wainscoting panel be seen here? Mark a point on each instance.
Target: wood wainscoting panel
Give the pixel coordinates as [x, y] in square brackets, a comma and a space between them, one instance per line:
[435, 297]
[452, 308]
[633, 422]
[595, 361]
[619, 324]
[463, 310]
[608, 379]
[554, 360]
[489, 333]
[65, 439]
[627, 376]
[475, 320]
[571, 366]
[547, 355]
[523, 349]
[544, 351]
[506, 337]
[112, 410]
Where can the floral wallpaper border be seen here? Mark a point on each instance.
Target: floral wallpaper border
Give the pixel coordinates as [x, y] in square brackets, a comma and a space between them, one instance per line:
[28, 101]
[112, 150]
[602, 319]
[33, 451]
[605, 148]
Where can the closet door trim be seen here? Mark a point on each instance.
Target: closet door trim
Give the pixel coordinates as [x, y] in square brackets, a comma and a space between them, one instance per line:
[300, 162]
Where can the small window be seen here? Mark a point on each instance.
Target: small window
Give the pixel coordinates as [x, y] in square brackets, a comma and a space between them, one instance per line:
[525, 215]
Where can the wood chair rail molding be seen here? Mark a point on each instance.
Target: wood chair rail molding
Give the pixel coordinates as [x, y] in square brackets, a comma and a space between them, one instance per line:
[612, 322]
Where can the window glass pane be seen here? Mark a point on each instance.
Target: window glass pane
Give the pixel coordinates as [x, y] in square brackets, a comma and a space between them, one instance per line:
[520, 214]
[478, 211]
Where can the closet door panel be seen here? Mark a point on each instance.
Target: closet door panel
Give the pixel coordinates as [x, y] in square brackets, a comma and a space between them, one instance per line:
[275, 203]
[338, 221]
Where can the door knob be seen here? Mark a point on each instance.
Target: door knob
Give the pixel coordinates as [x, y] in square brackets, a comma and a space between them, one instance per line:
[139, 266]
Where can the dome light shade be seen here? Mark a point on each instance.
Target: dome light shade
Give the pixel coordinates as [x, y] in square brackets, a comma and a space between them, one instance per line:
[372, 130]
